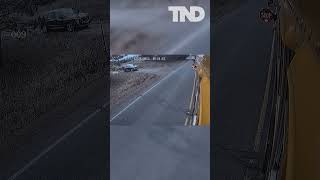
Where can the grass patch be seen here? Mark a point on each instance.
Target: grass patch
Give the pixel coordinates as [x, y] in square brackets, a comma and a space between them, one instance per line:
[43, 71]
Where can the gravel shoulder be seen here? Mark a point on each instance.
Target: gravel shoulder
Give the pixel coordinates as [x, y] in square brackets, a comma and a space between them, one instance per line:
[126, 86]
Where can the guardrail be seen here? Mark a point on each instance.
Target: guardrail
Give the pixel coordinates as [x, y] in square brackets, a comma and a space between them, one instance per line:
[192, 114]
[275, 109]
[291, 150]
[199, 113]
[278, 107]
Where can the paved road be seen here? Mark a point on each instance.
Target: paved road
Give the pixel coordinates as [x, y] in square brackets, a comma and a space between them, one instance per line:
[79, 148]
[159, 152]
[148, 140]
[241, 51]
[151, 31]
[164, 103]
[83, 155]
[71, 142]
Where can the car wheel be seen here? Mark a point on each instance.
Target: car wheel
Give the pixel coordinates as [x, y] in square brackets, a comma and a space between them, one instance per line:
[70, 27]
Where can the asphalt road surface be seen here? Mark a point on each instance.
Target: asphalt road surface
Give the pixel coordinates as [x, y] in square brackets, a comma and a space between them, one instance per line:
[164, 103]
[151, 31]
[155, 147]
[149, 140]
[241, 50]
[159, 152]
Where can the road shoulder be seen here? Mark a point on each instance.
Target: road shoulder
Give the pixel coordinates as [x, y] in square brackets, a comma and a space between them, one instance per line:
[46, 130]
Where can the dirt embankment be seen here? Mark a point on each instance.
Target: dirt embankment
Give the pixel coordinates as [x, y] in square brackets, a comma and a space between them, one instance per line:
[43, 70]
[127, 85]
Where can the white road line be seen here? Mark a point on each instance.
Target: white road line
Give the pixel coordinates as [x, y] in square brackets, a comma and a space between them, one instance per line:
[146, 92]
[66, 135]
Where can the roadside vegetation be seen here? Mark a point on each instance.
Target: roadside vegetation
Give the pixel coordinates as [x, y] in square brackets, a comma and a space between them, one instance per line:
[44, 70]
[124, 86]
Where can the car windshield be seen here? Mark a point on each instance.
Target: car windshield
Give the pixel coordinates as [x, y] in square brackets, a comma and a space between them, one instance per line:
[76, 11]
[129, 65]
[68, 11]
[52, 15]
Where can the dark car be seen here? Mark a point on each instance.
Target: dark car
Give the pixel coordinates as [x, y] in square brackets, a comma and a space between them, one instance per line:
[66, 18]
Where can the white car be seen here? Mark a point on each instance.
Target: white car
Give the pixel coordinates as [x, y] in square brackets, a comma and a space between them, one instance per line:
[130, 67]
